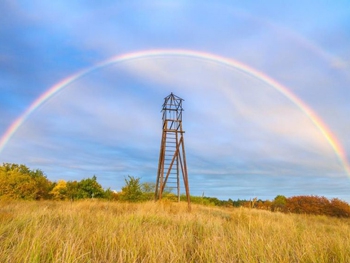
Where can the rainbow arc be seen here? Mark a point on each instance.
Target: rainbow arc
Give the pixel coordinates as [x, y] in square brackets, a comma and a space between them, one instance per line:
[315, 119]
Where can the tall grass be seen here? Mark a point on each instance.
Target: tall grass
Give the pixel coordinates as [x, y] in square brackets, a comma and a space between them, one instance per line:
[101, 231]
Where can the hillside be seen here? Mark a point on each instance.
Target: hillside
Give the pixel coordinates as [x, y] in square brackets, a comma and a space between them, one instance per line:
[102, 231]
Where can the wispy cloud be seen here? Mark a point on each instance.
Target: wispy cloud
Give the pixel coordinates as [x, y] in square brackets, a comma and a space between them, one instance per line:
[243, 138]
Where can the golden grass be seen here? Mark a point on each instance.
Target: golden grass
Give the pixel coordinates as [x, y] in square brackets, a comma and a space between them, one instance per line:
[101, 231]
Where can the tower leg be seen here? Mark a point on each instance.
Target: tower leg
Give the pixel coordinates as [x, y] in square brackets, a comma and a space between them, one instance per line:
[172, 150]
[159, 183]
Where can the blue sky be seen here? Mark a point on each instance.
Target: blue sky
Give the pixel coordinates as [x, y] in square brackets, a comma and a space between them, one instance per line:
[243, 138]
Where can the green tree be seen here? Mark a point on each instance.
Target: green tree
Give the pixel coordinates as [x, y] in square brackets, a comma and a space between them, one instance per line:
[90, 188]
[148, 190]
[72, 190]
[279, 203]
[148, 187]
[132, 191]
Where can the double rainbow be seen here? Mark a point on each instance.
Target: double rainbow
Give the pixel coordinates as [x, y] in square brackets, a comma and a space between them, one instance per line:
[316, 120]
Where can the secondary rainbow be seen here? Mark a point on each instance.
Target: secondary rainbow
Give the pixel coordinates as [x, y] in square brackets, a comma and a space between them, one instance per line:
[317, 121]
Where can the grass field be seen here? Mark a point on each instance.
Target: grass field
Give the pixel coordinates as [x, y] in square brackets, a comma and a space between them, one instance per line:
[101, 231]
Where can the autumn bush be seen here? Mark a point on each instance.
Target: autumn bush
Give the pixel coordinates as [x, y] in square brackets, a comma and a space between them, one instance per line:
[318, 206]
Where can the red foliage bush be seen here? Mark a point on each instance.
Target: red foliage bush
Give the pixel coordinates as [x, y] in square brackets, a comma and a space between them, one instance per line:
[317, 206]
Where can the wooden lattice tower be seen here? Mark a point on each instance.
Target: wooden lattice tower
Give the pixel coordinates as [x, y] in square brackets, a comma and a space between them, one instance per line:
[172, 158]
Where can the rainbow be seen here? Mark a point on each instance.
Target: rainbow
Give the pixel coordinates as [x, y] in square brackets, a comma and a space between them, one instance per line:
[316, 120]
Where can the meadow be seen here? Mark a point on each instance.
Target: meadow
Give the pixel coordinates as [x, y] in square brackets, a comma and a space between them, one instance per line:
[105, 231]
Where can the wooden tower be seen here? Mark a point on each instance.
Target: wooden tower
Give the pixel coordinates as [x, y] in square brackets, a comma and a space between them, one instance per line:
[172, 157]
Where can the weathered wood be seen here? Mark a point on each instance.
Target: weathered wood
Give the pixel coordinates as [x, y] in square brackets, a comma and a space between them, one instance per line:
[172, 148]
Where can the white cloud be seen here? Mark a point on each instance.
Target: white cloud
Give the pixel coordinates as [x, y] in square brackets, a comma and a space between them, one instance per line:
[235, 125]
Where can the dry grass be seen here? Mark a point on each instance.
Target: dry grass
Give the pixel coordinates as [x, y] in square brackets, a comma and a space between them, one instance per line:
[97, 231]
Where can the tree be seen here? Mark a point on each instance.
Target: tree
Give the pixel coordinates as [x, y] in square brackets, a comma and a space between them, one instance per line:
[43, 185]
[279, 203]
[19, 182]
[132, 191]
[263, 205]
[90, 188]
[59, 192]
[317, 205]
[148, 190]
[72, 190]
[339, 208]
[308, 205]
[148, 187]
[111, 195]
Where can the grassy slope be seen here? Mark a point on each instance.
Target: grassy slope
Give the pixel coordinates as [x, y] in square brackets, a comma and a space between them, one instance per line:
[93, 231]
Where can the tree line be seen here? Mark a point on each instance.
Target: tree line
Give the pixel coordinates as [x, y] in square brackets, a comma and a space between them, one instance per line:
[315, 205]
[18, 182]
